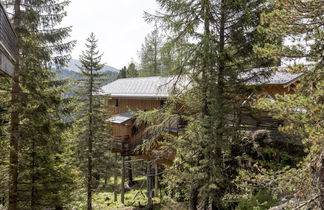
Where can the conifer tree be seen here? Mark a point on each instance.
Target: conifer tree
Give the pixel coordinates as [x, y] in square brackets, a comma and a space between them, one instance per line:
[300, 23]
[220, 36]
[150, 55]
[131, 71]
[122, 73]
[37, 107]
[94, 131]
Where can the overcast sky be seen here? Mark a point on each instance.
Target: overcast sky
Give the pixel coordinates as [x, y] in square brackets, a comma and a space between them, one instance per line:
[118, 24]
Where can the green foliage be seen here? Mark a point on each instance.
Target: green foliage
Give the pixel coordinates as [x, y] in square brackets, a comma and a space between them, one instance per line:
[131, 71]
[93, 135]
[46, 179]
[122, 73]
[299, 22]
[261, 200]
[150, 55]
[212, 49]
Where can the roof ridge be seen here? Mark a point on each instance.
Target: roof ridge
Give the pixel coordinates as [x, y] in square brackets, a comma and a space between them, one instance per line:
[146, 77]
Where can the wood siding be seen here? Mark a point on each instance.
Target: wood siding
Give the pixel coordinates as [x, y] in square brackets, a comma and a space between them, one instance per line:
[8, 41]
[131, 104]
[128, 135]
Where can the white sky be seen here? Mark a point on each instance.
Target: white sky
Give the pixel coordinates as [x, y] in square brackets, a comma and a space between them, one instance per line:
[118, 24]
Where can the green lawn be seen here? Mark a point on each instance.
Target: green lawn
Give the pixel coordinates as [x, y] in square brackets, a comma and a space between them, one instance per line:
[135, 197]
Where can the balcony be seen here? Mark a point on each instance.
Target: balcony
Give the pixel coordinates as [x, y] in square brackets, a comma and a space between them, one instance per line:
[8, 40]
[121, 144]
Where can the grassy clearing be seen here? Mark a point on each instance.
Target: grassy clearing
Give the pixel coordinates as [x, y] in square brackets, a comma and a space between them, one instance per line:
[135, 198]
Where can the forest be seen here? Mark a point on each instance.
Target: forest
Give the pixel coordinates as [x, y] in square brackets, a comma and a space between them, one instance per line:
[224, 110]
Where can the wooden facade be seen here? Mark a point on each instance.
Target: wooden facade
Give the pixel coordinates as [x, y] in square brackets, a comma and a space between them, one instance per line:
[119, 105]
[127, 135]
[8, 40]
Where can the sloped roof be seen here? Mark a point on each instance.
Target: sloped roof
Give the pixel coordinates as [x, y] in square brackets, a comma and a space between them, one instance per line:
[140, 87]
[121, 117]
[259, 76]
[160, 87]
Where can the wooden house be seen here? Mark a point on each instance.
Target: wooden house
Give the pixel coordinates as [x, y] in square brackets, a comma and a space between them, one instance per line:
[124, 97]
[8, 40]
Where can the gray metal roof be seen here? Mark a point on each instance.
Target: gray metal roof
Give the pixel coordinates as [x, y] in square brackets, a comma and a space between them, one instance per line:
[140, 87]
[121, 117]
[266, 76]
[160, 87]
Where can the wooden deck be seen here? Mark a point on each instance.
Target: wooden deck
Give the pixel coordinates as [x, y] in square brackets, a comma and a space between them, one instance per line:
[8, 40]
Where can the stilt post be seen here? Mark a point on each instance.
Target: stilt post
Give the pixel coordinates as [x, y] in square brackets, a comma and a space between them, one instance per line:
[123, 181]
[115, 179]
[149, 186]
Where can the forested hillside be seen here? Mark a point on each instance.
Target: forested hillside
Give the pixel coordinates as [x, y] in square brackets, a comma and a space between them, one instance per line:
[224, 110]
[71, 69]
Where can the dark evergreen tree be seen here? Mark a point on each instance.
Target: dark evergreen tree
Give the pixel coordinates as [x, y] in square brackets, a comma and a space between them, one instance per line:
[300, 24]
[94, 130]
[131, 71]
[44, 181]
[4, 138]
[150, 55]
[122, 73]
[220, 36]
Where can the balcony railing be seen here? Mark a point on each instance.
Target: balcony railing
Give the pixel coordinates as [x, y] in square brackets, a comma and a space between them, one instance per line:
[121, 144]
[8, 39]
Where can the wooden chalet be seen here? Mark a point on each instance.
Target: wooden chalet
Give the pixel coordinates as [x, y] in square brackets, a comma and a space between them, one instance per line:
[8, 40]
[124, 97]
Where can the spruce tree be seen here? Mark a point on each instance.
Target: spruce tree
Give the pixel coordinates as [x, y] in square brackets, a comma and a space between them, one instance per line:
[220, 36]
[37, 108]
[94, 130]
[122, 73]
[300, 23]
[150, 55]
[131, 71]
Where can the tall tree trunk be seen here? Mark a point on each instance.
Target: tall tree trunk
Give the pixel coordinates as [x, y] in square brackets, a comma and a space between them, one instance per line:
[130, 172]
[90, 139]
[14, 130]
[216, 196]
[33, 178]
[193, 203]
[321, 180]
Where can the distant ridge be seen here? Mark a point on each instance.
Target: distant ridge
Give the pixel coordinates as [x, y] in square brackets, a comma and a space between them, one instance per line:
[73, 66]
[71, 69]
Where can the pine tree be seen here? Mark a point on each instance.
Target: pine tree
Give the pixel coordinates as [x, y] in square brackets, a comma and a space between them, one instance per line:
[37, 108]
[94, 131]
[220, 37]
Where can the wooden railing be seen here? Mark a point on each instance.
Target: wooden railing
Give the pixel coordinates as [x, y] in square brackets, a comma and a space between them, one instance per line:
[121, 144]
[8, 37]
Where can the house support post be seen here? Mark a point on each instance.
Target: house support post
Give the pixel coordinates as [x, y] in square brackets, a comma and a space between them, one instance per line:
[149, 186]
[115, 179]
[156, 180]
[123, 181]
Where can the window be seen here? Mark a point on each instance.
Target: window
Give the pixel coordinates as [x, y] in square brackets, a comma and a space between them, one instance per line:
[134, 130]
[162, 102]
[117, 103]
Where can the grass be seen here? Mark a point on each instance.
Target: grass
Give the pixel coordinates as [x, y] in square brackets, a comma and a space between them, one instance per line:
[135, 198]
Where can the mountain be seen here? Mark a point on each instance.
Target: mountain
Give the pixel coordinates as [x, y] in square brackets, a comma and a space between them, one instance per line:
[73, 66]
[71, 71]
